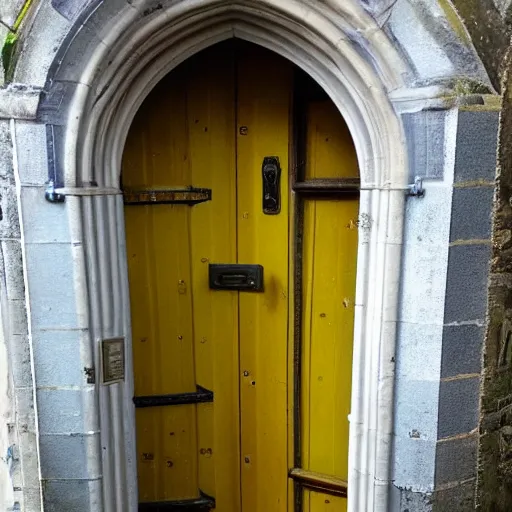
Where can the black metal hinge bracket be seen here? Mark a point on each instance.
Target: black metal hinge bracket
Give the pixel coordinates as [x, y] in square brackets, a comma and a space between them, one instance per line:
[202, 395]
[416, 189]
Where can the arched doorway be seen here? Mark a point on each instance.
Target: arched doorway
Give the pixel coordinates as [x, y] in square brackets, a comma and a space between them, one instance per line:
[242, 371]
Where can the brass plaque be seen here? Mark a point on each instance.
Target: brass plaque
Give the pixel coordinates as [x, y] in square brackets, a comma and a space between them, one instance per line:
[112, 351]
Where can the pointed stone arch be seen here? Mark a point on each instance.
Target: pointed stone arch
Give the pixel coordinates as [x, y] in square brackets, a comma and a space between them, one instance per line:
[107, 63]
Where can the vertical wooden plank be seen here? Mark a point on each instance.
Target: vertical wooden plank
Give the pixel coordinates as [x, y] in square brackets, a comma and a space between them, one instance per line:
[330, 241]
[211, 121]
[158, 248]
[264, 88]
[328, 340]
[319, 502]
[330, 147]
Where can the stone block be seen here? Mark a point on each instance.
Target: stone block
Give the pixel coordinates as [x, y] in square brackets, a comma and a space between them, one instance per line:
[13, 262]
[427, 221]
[472, 213]
[60, 411]
[45, 222]
[29, 458]
[459, 498]
[19, 101]
[458, 406]
[418, 351]
[69, 8]
[6, 161]
[43, 41]
[424, 132]
[21, 368]
[25, 411]
[85, 43]
[477, 139]
[414, 461]
[17, 317]
[69, 457]
[31, 499]
[415, 409]
[31, 153]
[411, 501]
[462, 350]
[423, 284]
[66, 495]
[456, 460]
[52, 286]
[57, 358]
[9, 216]
[466, 283]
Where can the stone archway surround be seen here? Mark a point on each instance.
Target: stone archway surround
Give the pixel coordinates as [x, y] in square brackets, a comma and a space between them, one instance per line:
[105, 70]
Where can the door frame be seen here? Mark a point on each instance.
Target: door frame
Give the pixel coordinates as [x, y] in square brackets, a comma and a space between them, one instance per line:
[364, 78]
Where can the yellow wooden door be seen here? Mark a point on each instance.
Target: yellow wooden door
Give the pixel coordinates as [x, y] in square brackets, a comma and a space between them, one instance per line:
[241, 397]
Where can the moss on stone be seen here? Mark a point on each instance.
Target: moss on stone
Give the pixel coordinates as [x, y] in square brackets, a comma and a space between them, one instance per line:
[455, 21]
[9, 46]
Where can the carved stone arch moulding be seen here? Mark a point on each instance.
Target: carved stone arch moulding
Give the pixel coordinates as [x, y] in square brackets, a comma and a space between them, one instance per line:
[110, 60]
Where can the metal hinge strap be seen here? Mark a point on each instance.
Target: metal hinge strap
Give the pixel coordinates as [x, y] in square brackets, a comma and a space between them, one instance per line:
[203, 503]
[188, 196]
[319, 482]
[202, 395]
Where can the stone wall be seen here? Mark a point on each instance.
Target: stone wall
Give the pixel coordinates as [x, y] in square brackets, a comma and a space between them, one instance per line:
[495, 454]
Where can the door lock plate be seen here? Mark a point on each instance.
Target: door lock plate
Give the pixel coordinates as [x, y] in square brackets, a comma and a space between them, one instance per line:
[236, 277]
[271, 173]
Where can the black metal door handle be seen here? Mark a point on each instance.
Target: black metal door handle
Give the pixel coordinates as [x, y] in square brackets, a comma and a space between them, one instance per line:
[236, 277]
[271, 173]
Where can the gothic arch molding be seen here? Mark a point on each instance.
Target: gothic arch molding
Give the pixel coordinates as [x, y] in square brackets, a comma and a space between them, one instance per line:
[102, 73]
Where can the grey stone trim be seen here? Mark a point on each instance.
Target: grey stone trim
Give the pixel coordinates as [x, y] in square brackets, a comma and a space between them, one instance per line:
[462, 350]
[69, 8]
[425, 133]
[477, 139]
[466, 283]
[19, 101]
[14, 315]
[459, 498]
[405, 500]
[471, 213]
[458, 406]
[456, 460]
[53, 109]
[72, 495]
[63, 456]
[32, 154]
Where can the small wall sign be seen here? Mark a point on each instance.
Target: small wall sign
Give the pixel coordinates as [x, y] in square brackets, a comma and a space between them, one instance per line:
[112, 352]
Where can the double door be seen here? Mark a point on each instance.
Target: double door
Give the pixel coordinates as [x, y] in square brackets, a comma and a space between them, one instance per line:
[242, 291]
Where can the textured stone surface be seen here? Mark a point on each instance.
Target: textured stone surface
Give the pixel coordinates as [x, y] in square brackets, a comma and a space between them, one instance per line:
[471, 213]
[32, 154]
[415, 501]
[65, 456]
[466, 286]
[44, 38]
[437, 47]
[489, 33]
[57, 358]
[462, 350]
[458, 498]
[456, 460]
[60, 495]
[52, 298]
[495, 448]
[458, 406]
[60, 411]
[425, 140]
[475, 156]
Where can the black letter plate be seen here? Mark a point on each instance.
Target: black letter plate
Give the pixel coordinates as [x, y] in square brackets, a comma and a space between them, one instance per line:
[236, 277]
